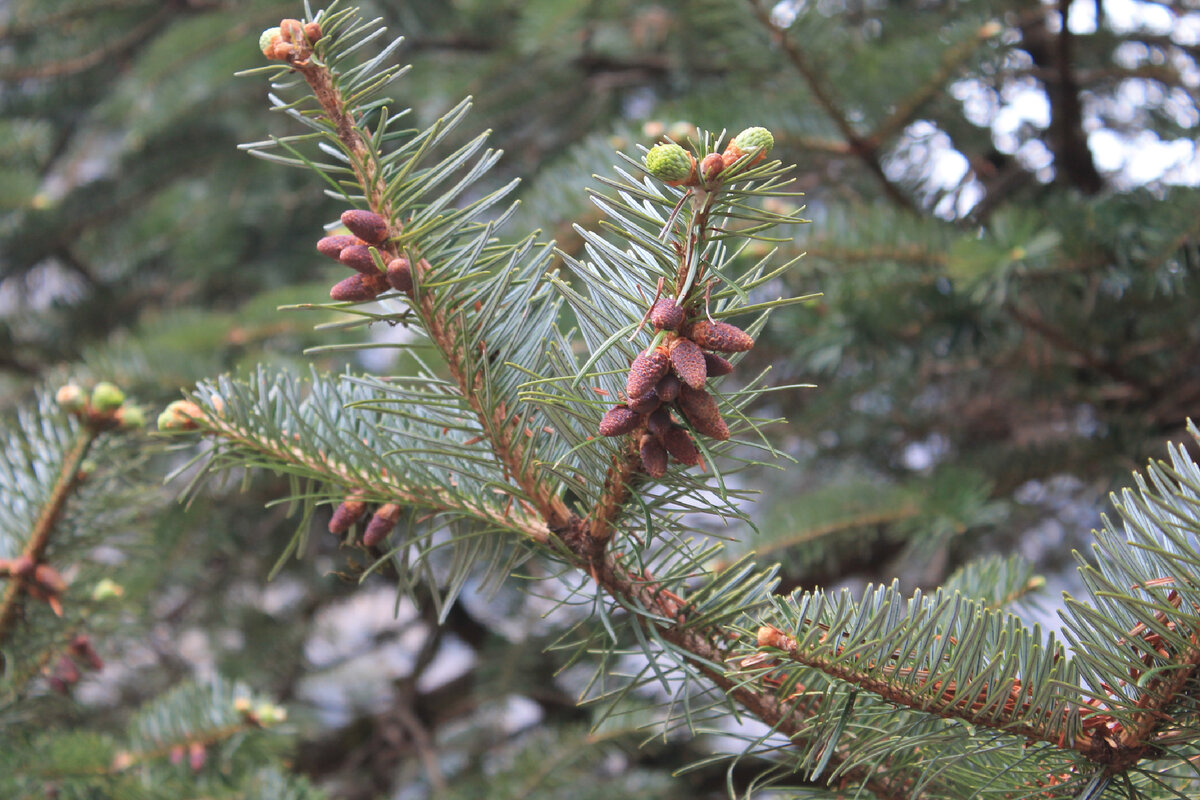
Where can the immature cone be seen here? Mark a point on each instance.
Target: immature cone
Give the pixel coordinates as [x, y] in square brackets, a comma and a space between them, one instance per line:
[670, 162]
[701, 410]
[688, 362]
[716, 366]
[752, 140]
[719, 336]
[106, 397]
[619, 420]
[66, 674]
[345, 515]
[399, 275]
[179, 416]
[332, 246]
[646, 371]
[381, 524]
[131, 418]
[267, 41]
[681, 447]
[366, 225]
[667, 389]
[654, 456]
[665, 314]
[358, 258]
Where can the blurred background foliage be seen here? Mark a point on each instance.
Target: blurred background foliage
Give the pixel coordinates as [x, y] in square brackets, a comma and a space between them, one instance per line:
[1006, 235]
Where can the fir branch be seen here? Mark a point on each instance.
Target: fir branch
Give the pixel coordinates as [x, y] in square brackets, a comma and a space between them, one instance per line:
[386, 484]
[70, 476]
[866, 149]
[443, 328]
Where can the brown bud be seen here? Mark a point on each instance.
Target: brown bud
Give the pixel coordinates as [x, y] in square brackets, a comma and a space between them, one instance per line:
[716, 366]
[66, 671]
[701, 410]
[654, 457]
[665, 315]
[291, 30]
[345, 515]
[667, 389]
[81, 646]
[358, 257]
[332, 246]
[381, 524]
[769, 636]
[720, 336]
[619, 420]
[399, 275]
[711, 167]
[197, 756]
[366, 225]
[48, 579]
[659, 422]
[22, 566]
[644, 404]
[280, 51]
[679, 444]
[688, 362]
[646, 371]
[353, 289]
[312, 31]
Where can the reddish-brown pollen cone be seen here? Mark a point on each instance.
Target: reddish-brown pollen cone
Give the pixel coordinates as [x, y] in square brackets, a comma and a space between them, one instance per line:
[688, 362]
[654, 456]
[399, 275]
[619, 420]
[358, 258]
[719, 336]
[681, 447]
[646, 371]
[665, 314]
[345, 515]
[366, 225]
[667, 389]
[354, 289]
[716, 366]
[381, 524]
[332, 246]
[701, 410]
[645, 403]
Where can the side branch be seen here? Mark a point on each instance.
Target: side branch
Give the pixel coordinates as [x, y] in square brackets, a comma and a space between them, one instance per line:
[385, 482]
[69, 478]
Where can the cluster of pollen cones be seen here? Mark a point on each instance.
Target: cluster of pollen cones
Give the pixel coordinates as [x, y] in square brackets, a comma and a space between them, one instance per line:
[671, 377]
[359, 250]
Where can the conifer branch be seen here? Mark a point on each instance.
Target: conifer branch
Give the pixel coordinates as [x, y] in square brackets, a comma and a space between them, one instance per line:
[506, 439]
[866, 149]
[384, 483]
[70, 476]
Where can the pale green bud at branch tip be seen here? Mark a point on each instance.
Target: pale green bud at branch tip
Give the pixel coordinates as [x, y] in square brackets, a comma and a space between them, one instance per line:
[71, 398]
[669, 162]
[759, 139]
[106, 397]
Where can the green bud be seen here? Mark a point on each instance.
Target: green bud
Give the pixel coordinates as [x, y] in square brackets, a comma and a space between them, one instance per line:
[669, 162]
[107, 397]
[131, 418]
[107, 589]
[268, 38]
[755, 138]
[71, 398]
